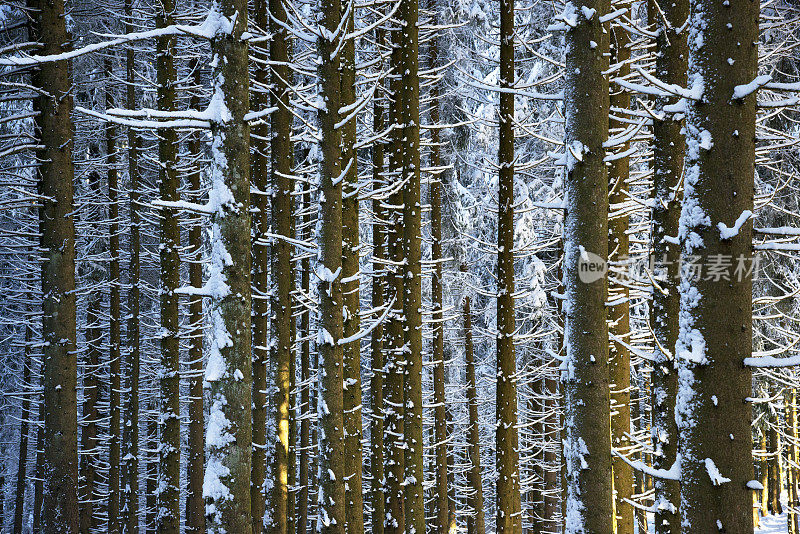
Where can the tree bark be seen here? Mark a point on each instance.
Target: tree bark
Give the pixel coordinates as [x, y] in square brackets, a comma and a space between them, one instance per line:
[716, 315]
[25, 414]
[619, 361]
[130, 504]
[379, 283]
[476, 524]
[57, 230]
[168, 516]
[586, 379]
[229, 367]
[668, 154]
[331, 481]
[412, 249]
[351, 283]
[195, 455]
[441, 501]
[508, 487]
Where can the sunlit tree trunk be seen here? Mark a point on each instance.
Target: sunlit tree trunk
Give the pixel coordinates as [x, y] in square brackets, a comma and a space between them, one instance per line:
[619, 357]
[509, 519]
[229, 368]
[586, 379]
[476, 523]
[331, 512]
[351, 282]
[715, 333]
[668, 153]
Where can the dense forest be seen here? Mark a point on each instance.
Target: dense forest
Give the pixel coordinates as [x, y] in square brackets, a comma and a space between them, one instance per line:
[399, 266]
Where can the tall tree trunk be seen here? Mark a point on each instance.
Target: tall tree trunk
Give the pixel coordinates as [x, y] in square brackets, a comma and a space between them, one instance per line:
[394, 404]
[351, 283]
[229, 368]
[716, 315]
[379, 280]
[587, 418]
[169, 444]
[282, 279]
[791, 459]
[38, 487]
[619, 360]
[476, 523]
[115, 342]
[668, 154]
[261, 291]
[25, 414]
[90, 440]
[195, 454]
[57, 230]
[331, 512]
[305, 373]
[509, 518]
[130, 504]
[774, 462]
[441, 502]
[412, 248]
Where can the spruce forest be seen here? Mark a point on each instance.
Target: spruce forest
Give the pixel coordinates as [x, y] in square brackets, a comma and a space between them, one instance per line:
[399, 266]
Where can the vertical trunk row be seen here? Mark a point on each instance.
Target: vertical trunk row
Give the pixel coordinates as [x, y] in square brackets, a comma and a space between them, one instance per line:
[412, 272]
[586, 379]
[331, 481]
[442, 505]
[790, 397]
[476, 523]
[130, 505]
[619, 357]
[715, 330]
[351, 281]
[668, 153]
[226, 484]
[509, 519]
[57, 241]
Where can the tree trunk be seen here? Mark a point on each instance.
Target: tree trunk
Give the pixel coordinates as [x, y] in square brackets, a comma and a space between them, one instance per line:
[619, 361]
[331, 481]
[668, 153]
[195, 455]
[716, 315]
[90, 439]
[168, 517]
[394, 406]
[229, 367]
[282, 279]
[442, 505]
[261, 291]
[57, 229]
[412, 248]
[305, 374]
[379, 280]
[130, 505]
[115, 342]
[351, 282]
[25, 414]
[587, 418]
[508, 489]
[476, 523]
